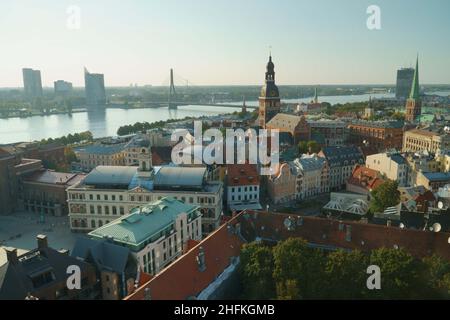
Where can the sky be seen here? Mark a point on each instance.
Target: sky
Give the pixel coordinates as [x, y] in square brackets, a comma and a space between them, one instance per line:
[223, 42]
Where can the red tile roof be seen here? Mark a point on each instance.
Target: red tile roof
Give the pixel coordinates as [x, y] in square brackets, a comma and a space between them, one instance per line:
[332, 233]
[183, 279]
[242, 175]
[365, 178]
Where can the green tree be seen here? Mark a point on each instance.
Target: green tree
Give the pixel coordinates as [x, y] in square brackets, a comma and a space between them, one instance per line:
[298, 269]
[384, 196]
[313, 147]
[433, 272]
[399, 274]
[346, 274]
[303, 147]
[256, 271]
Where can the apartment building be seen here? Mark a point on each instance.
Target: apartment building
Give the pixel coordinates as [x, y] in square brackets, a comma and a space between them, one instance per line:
[431, 141]
[155, 233]
[392, 165]
[243, 187]
[109, 192]
[340, 162]
[101, 154]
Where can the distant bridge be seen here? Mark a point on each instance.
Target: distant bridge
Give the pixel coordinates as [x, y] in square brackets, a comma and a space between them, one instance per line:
[172, 103]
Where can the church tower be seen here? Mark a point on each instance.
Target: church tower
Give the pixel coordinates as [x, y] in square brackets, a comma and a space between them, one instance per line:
[414, 104]
[269, 99]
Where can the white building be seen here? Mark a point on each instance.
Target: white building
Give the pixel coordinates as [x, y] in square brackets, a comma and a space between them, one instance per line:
[390, 164]
[155, 233]
[108, 193]
[243, 187]
[313, 176]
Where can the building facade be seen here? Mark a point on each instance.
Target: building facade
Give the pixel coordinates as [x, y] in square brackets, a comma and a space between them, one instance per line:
[381, 135]
[419, 139]
[108, 193]
[340, 162]
[101, 154]
[156, 233]
[282, 186]
[44, 192]
[391, 164]
[405, 78]
[243, 187]
[313, 179]
[32, 83]
[95, 88]
[62, 88]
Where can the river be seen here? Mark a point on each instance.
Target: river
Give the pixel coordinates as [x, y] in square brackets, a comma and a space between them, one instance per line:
[106, 122]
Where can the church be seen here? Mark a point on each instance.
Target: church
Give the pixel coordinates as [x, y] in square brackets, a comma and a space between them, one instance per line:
[269, 98]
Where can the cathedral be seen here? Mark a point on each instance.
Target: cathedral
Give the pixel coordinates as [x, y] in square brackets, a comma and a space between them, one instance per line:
[269, 99]
[414, 104]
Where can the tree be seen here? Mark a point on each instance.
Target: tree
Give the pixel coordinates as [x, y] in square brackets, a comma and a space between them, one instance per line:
[346, 274]
[384, 196]
[433, 275]
[313, 147]
[256, 271]
[298, 269]
[399, 274]
[303, 147]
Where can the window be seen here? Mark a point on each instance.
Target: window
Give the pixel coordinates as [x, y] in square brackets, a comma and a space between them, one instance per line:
[98, 197]
[106, 197]
[120, 198]
[99, 209]
[122, 211]
[114, 210]
[93, 224]
[91, 197]
[106, 210]
[91, 210]
[113, 198]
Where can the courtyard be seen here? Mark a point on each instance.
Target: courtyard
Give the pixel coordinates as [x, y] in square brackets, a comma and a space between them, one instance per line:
[20, 230]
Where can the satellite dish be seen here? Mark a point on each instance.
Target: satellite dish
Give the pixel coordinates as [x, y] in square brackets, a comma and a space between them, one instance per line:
[436, 227]
[402, 226]
[440, 205]
[288, 223]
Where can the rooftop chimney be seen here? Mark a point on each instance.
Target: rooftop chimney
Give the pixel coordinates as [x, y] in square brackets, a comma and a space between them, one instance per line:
[11, 254]
[42, 241]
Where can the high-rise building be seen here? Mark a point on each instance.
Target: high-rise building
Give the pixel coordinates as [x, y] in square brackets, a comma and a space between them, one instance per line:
[269, 99]
[32, 83]
[404, 81]
[62, 87]
[95, 88]
[414, 104]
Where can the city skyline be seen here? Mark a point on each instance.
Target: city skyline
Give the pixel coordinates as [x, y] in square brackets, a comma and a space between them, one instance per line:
[311, 43]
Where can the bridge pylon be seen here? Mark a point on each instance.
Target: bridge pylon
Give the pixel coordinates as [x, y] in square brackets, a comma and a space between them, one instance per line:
[172, 92]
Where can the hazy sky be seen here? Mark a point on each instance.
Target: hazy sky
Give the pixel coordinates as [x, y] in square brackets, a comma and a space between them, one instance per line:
[224, 41]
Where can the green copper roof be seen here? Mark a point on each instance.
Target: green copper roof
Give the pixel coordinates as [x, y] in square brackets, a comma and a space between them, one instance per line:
[143, 223]
[415, 85]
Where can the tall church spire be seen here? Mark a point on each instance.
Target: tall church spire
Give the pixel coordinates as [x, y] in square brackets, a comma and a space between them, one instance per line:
[415, 89]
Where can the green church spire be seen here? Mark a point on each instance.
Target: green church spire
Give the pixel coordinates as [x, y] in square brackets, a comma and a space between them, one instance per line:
[415, 91]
